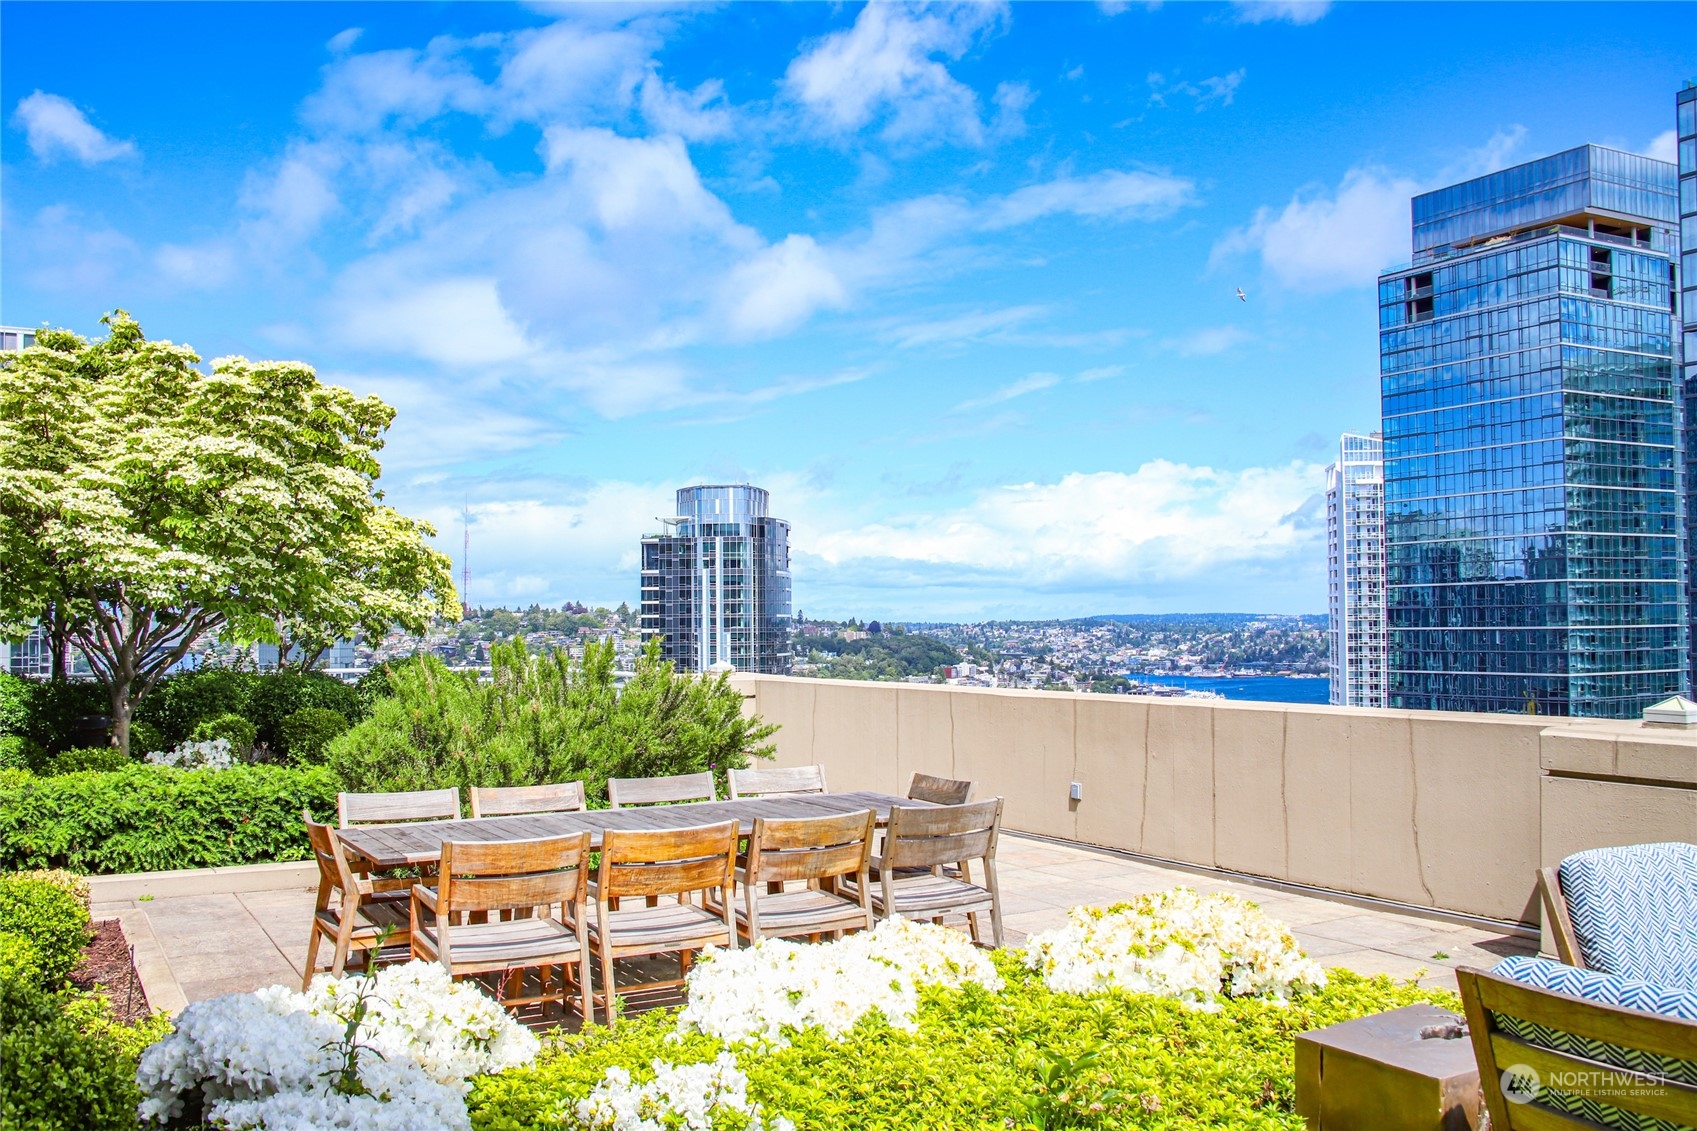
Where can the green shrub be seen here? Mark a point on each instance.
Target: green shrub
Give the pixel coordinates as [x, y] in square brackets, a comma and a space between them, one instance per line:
[976, 1060]
[50, 918]
[19, 753]
[277, 696]
[96, 758]
[54, 1074]
[18, 958]
[14, 706]
[304, 735]
[148, 818]
[545, 717]
[59, 878]
[232, 728]
[180, 701]
[55, 706]
[145, 738]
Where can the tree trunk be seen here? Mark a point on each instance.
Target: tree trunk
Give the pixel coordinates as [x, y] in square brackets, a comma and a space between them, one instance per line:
[118, 693]
[59, 643]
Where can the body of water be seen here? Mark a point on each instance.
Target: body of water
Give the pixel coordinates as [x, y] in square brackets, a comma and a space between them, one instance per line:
[1265, 688]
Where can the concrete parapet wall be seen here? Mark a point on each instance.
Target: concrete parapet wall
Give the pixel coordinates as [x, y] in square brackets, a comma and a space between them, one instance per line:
[1441, 810]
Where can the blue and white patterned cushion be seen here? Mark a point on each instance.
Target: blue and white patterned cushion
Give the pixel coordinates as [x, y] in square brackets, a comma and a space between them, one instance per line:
[1634, 910]
[1609, 989]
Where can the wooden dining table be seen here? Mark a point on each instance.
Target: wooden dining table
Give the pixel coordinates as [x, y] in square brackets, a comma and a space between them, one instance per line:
[420, 842]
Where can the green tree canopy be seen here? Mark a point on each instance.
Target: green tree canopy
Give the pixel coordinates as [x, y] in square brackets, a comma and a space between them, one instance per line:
[145, 502]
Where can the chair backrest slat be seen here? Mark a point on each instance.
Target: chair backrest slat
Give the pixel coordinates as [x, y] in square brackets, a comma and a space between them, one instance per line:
[485, 876]
[514, 800]
[810, 848]
[390, 808]
[667, 861]
[781, 779]
[948, 834]
[625, 792]
[939, 791]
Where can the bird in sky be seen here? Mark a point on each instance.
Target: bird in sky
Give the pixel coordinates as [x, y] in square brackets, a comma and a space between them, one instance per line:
[1241, 297]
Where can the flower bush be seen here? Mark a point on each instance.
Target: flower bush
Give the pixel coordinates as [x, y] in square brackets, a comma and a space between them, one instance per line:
[208, 754]
[394, 1050]
[415, 1010]
[700, 1097]
[1178, 944]
[238, 1061]
[756, 993]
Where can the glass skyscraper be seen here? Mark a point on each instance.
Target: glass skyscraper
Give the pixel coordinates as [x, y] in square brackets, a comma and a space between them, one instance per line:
[716, 589]
[1533, 443]
[1355, 571]
[1685, 115]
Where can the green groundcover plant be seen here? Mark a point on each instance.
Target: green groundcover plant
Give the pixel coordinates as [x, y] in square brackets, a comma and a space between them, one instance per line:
[146, 818]
[1025, 1057]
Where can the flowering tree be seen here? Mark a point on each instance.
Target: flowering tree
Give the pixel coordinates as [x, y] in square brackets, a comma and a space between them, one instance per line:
[145, 502]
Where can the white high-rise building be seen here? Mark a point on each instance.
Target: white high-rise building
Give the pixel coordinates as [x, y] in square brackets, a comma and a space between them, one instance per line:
[1355, 571]
[28, 656]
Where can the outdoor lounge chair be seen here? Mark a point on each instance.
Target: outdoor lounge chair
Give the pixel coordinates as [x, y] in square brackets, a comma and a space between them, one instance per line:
[1565, 1049]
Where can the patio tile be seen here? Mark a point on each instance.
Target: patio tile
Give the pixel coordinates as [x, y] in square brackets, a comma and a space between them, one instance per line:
[1374, 929]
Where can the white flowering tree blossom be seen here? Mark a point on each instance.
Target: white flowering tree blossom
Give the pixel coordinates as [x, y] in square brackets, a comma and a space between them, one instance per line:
[146, 501]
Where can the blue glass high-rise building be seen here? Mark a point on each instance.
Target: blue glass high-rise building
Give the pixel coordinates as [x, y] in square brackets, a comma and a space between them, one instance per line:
[1685, 117]
[1533, 443]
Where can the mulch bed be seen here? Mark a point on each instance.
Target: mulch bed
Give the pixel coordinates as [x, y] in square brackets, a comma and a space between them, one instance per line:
[107, 963]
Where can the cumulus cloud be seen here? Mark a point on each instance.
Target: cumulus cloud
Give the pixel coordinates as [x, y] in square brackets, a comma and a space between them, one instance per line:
[1324, 241]
[57, 128]
[782, 287]
[1281, 11]
[1663, 147]
[702, 114]
[1111, 194]
[1161, 523]
[343, 41]
[1219, 89]
[887, 68]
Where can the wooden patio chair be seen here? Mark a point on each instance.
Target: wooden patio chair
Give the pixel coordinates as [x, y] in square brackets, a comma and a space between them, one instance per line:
[623, 793]
[919, 844]
[516, 800]
[663, 862]
[939, 791]
[813, 852]
[784, 779]
[390, 808]
[503, 907]
[1554, 1061]
[353, 912]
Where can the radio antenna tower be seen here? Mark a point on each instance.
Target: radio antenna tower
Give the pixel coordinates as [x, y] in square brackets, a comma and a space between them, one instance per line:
[465, 563]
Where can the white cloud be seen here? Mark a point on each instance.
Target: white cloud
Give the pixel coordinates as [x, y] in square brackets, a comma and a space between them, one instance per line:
[1499, 152]
[1217, 88]
[975, 326]
[343, 41]
[1109, 194]
[782, 287]
[1326, 241]
[363, 93]
[457, 322]
[57, 128]
[197, 266]
[1012, 100]
[1285, 11]
[1101, 373]
[1663, 147]
[702, 114]
[885, 67]
[1162, 523]
[1034, 383]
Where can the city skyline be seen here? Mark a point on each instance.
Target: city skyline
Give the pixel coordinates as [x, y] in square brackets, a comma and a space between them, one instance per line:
[958, 284]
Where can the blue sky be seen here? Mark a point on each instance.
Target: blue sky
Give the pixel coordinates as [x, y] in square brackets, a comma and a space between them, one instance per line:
[957, 284]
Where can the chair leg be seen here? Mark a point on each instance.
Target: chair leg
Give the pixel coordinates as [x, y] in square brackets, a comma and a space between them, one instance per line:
[972, 925]
[312, 955]
[607, 983]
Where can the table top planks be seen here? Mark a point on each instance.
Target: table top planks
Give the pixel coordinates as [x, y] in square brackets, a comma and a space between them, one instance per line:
[420, 842]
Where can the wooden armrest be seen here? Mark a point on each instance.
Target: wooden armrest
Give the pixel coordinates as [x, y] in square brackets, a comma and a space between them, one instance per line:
[424, 895]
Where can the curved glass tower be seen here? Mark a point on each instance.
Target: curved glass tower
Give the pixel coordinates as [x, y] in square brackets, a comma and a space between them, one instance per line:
[1533, 443]
[716, 588]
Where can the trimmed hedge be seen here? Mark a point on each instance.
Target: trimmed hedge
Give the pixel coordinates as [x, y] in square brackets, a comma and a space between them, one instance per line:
[305, 734]
[51, 919]
[979, 1059]
[149, 818]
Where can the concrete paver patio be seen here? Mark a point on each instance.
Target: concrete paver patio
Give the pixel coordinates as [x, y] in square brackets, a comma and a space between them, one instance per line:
[196, 946]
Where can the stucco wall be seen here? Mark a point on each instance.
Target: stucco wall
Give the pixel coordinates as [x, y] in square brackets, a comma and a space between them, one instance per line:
[1448, 811]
